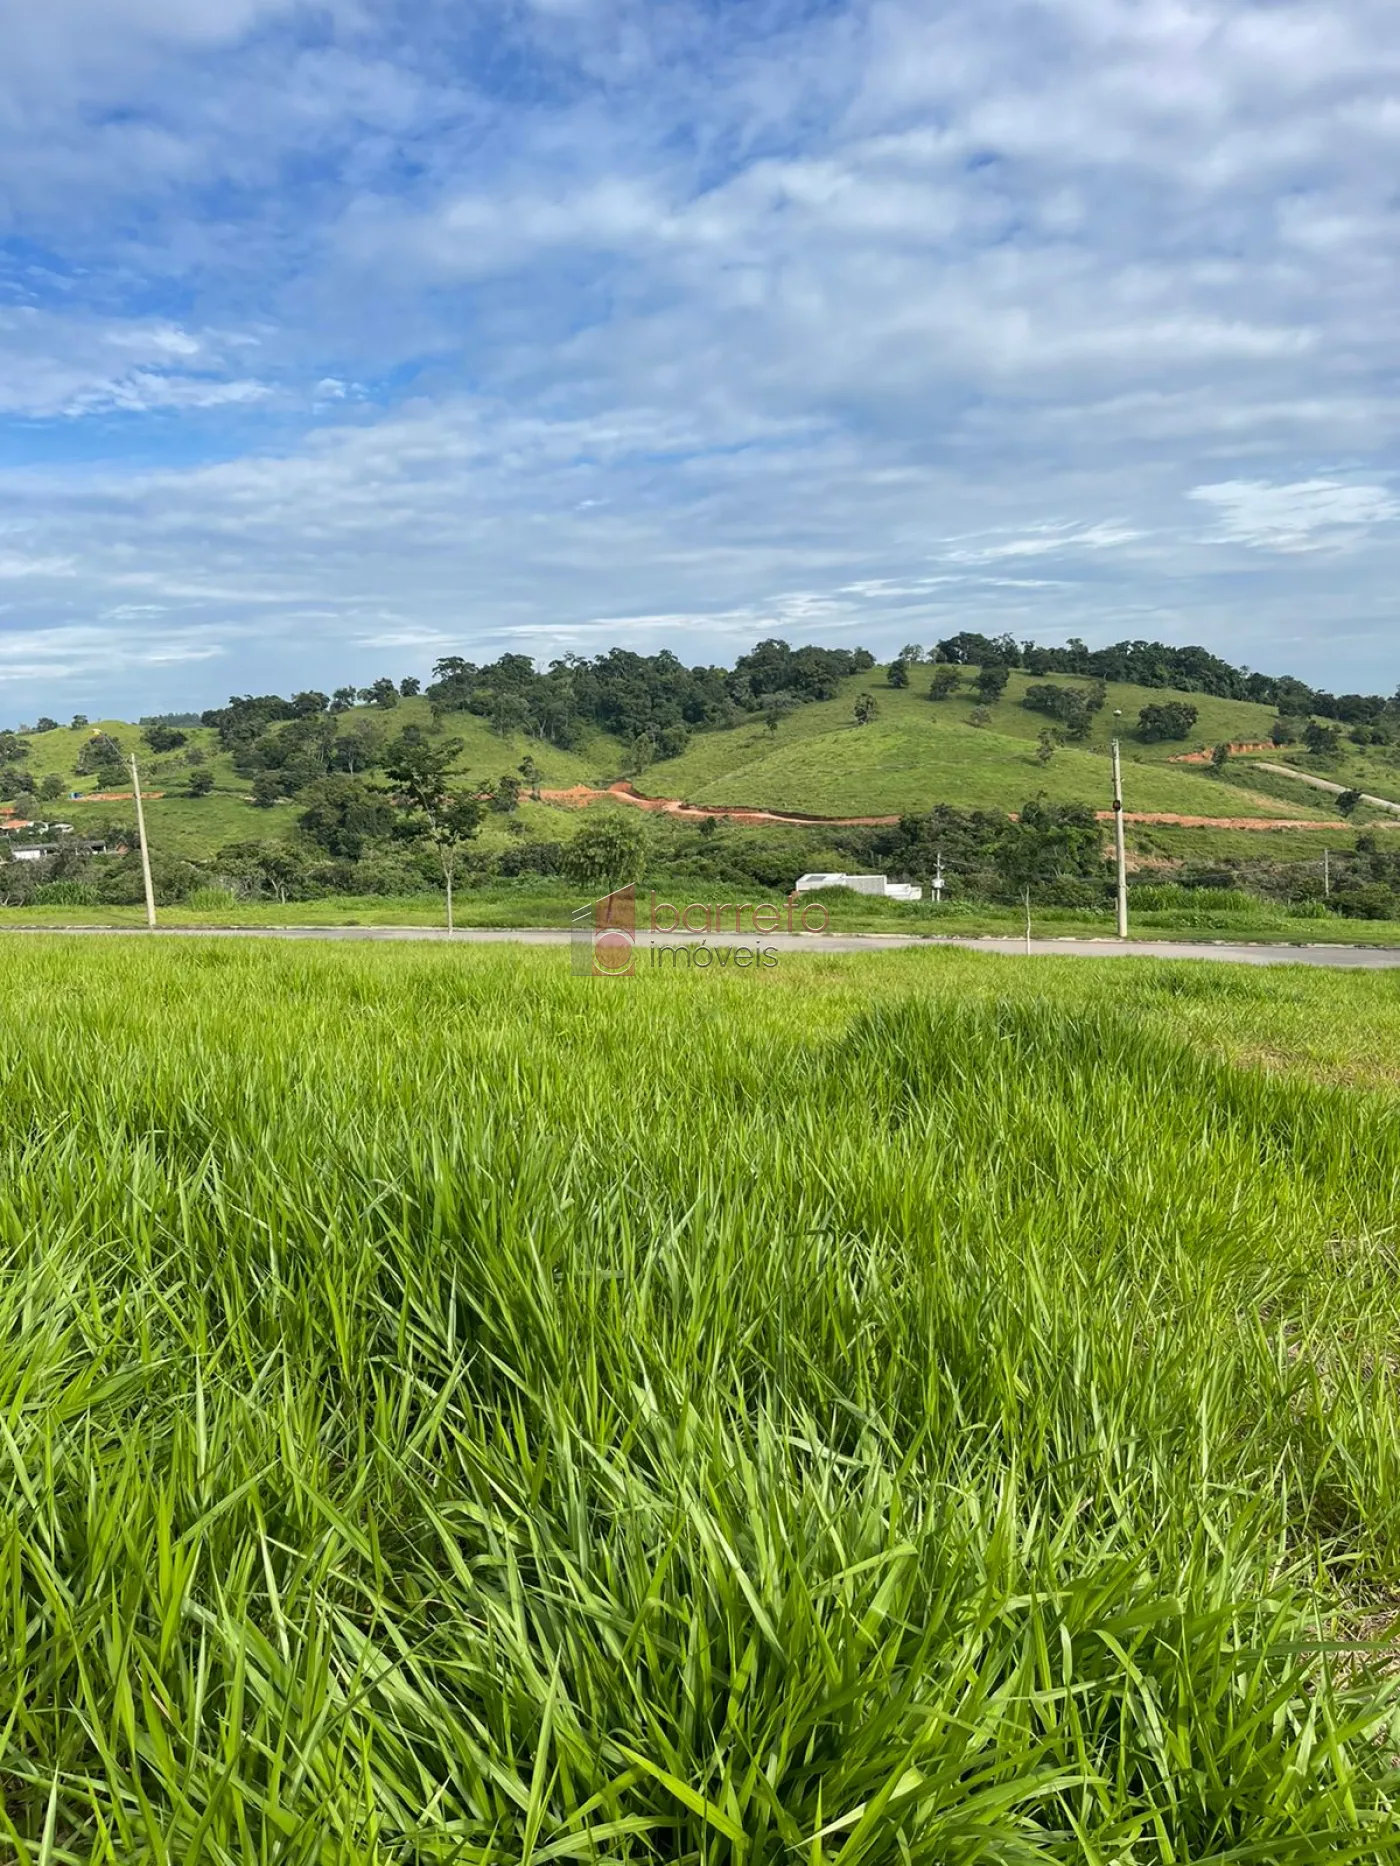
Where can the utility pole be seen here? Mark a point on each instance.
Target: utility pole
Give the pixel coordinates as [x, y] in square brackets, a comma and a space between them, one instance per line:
[145, 851]
[1326, 877]
[1118, 844]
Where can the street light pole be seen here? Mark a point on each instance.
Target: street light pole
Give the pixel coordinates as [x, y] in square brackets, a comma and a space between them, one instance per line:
[1118, 844]
[145, 851]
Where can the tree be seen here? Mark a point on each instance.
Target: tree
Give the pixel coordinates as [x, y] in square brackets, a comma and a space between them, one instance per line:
[1220, 755]
[643, 752]
[671, 741]
[309, 704]
[505, 795]
[102, 755]
[968, 649]
[1048, 842]
[979, 716]
[52, 788]
[274, 868]
[360, 747]
[78, 723]
[1047, 744]
[912, 654]
[342, 699]
[164, 738]
[1286, 731]
[410, 687]
[341, 814]
[1172, 719]
[200, 783]
[1069, 705]
[1348, 800]
[1322, 741]
[421, 768]
[45, 724]
[381, 692]
[609, 850]
[898, 675]
[509, 713]
[866, 708]
[267, 788]
[991, 682]
[945, 683]
[772, 719]
[530, 772]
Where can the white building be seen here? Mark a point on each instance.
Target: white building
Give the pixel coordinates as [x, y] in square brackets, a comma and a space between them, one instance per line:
[860, 884]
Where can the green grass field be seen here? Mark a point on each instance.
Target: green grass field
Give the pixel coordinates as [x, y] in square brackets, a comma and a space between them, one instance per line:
[1155, 913]
[919, 753]
[927, 1409]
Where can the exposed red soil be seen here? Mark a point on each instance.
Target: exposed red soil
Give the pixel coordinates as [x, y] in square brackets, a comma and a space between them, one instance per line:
[1170, 818]
[578, 796]
[112, 796]
[1235, 745]
[581, 794]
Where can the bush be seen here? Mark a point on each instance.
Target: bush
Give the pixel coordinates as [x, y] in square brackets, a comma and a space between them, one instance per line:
[532, 858]
[164, 738]
[1073, 891]
[64, 894]
[209, 899]
[1372, 900]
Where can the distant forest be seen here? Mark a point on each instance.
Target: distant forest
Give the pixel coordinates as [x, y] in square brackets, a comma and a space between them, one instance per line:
[658, 697]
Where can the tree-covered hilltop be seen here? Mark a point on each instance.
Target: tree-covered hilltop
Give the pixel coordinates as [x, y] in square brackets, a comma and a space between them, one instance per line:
[657, 702]
[1157, 664]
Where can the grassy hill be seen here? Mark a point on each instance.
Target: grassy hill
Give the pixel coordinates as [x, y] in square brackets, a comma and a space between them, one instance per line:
[197, 826]
[918, 753]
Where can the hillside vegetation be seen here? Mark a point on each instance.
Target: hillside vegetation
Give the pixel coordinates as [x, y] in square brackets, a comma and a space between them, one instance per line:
[918, 753]
[197, 827]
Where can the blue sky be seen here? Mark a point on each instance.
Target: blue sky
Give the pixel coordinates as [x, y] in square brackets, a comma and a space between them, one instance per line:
[336, 338]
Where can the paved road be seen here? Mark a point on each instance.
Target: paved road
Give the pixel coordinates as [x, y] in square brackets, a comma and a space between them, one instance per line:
[1349, 958]
[1332, 790]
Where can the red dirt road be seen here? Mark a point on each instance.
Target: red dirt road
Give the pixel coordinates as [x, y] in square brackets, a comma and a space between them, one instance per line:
[581, 795]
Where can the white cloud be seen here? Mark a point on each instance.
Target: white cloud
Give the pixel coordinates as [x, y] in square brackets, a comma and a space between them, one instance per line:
[1308, 515]
[60, 365]
[378, 332]
[1045, 540]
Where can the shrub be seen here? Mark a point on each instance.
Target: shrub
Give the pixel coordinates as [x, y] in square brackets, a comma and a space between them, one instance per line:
[209, 899]
[1371, 900]
[64, 894]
